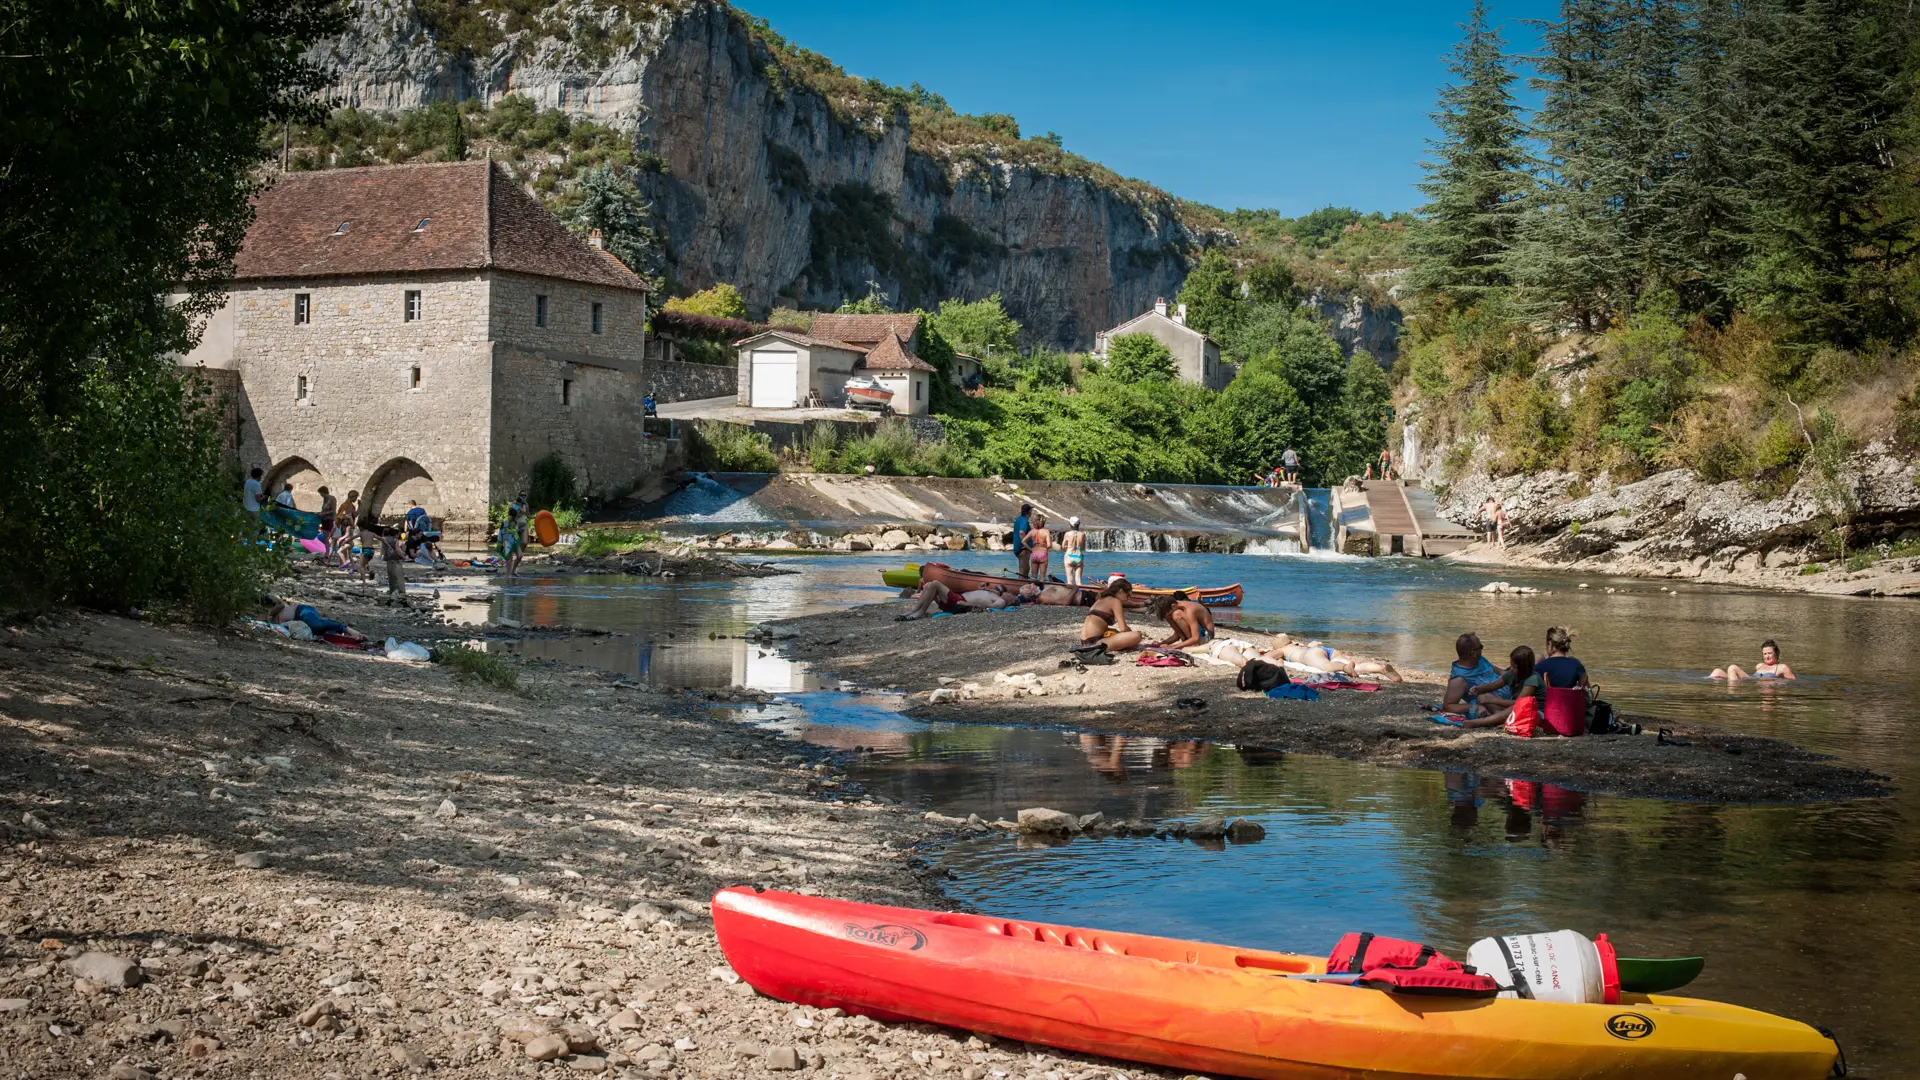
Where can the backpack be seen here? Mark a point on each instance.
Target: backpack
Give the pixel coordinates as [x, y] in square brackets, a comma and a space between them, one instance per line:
[1599, 718]
[1261, 676]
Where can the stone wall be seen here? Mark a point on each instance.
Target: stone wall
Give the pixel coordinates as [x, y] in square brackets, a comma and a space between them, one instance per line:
[569, 329]
[675, 380]
[365, 422]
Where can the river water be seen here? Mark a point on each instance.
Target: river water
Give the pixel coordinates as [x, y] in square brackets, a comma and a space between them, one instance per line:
[1808, 911]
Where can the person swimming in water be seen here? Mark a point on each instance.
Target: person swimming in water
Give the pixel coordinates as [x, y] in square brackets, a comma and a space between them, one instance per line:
[1769, 667]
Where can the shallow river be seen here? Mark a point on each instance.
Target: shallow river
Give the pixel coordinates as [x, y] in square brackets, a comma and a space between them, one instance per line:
[1805, 911]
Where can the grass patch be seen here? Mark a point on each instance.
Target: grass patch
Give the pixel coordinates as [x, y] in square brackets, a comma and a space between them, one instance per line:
[595, 543]
[474, 664]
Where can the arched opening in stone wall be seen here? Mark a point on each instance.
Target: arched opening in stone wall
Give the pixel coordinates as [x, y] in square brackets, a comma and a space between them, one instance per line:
[398, 482]
[306, 481]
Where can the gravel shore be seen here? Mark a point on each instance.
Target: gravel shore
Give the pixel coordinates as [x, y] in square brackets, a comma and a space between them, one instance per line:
[1012, 661]
[227, 854]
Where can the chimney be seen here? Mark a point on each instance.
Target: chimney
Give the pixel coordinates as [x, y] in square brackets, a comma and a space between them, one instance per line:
[1160, 305]
[597, 239]
[1182, 317]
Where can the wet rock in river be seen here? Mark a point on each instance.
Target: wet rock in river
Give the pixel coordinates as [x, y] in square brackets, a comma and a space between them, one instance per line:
[1039, 819]
[1242, 831]
[1208, 828]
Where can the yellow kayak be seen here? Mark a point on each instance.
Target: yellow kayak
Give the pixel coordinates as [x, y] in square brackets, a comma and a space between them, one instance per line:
[908, 578]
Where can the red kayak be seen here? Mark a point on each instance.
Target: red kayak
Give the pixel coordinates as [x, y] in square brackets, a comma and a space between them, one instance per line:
[963, 580]
[1217, 1009]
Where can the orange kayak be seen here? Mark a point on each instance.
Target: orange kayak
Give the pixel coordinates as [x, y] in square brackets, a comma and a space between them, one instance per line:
[962, 580]
[1217, 1009]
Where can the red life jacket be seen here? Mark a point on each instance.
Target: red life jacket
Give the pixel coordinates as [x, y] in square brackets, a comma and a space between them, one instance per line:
[1406, 967]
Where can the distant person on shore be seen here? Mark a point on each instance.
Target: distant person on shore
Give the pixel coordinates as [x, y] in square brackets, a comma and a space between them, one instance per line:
[1106, 621]
[344, 517]
[1472, 682]
[1386, 463]
[1191, 623]
[252, 492]
[1495, 518]
[1021, 526]
[1560, 669]
[936, 594]
[1039, 548]
[651, 407]
[283, 611]
[1290, 461]
[513, 538]
[285, 498]
[1073, 551]
[1769, 667]
[328, 506]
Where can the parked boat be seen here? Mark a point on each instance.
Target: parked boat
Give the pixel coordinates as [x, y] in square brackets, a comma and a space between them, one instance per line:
[962, 580]
[1208, 1008]
[908, 578]
[866, 393]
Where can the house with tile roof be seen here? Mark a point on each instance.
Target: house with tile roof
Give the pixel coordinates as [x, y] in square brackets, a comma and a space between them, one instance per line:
[783, 369]
[1196, 357]
[428, 332]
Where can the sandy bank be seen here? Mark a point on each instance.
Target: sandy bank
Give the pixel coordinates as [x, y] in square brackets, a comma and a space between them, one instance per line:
[296, 861]
[1387, 727]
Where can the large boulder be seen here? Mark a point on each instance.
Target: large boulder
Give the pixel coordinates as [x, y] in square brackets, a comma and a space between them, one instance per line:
[1039, 819]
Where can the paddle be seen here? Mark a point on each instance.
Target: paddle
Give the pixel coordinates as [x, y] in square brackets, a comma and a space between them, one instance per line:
[1657, 976]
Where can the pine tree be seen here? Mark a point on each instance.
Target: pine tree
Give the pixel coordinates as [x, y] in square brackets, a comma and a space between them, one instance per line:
[1478, 177]
[1563, 252]
[610, 202]
[1703, 233]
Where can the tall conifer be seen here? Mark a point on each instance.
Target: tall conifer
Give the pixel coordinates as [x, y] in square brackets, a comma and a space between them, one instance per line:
[1477, 179]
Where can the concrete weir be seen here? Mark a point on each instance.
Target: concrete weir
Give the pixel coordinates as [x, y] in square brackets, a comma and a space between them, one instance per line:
[824, 510]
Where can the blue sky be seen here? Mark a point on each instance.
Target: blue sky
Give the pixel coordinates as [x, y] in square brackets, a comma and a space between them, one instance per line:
[1238, 104]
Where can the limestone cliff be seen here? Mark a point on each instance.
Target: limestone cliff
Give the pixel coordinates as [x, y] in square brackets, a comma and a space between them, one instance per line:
[792, 197]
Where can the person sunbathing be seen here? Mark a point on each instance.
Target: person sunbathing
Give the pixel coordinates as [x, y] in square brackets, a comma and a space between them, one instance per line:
[1191, 623]
[1106, 622]
[1769, 667]
[281, 610]
[936, 594]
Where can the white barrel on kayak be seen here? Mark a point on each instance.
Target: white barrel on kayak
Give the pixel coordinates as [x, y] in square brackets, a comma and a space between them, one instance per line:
[1563, 966]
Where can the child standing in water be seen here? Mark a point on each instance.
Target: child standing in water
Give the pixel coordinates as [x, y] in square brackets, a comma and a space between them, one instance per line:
[1073, 550]
[1039, 541]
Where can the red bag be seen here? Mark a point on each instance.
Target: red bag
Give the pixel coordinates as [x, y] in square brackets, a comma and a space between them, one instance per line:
[1161, 658]
[1524, 720]
[1431, 979]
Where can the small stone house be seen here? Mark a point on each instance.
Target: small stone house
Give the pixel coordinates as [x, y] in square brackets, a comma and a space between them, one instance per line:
[428, 332]
[782, 369]
[1196, 356]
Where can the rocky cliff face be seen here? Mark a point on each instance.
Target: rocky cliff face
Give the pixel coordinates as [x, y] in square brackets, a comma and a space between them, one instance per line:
[1360, 323]
[770, 188]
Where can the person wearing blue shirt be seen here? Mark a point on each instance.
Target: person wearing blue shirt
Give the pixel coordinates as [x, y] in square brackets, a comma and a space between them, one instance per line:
[1561, 670]
[1021, 527]
[1471, 672]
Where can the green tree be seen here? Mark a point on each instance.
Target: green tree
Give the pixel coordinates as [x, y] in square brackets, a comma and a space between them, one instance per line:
[874, 303]
[722, 301]
[608, 200]
[1476, 182]
[1252, 423]
[1272, 283]
[457, 136]
[1212, 295]
[128, 139]
[980, 328]
[1135, 358]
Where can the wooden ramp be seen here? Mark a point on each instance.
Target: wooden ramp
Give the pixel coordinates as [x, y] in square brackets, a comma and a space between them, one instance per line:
[1390, 517]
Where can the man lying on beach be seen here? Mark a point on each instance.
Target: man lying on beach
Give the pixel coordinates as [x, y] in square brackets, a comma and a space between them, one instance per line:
[935, 594]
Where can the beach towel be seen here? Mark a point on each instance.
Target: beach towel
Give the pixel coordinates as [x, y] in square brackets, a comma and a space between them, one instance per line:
[1164, 658]
[1294, 692]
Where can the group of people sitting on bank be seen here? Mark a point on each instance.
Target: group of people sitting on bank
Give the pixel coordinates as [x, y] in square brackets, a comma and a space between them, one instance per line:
[1480, 695]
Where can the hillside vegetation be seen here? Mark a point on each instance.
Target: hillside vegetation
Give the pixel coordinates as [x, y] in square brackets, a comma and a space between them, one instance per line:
[1697, 252]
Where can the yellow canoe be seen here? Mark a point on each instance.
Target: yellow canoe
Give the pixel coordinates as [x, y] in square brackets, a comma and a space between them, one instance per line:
[908, 578]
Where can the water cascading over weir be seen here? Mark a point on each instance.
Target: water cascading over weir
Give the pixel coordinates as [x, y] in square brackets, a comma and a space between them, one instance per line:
[823, 510]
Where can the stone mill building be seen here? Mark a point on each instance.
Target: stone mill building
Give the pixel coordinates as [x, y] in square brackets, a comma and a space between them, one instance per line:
[428, 332]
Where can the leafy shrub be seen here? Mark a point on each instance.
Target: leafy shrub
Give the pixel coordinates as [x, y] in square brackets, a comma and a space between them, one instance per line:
[568, 520]
[1707, 441]
[596, 543]
[722, 301]
[817, 449]
[1524, 420]
[893, 449]
[552, 485]
[473, 664]
[727, 447]
[1137, 358]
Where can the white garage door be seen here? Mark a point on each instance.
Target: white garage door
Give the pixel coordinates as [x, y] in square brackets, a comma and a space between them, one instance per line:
[776, 380]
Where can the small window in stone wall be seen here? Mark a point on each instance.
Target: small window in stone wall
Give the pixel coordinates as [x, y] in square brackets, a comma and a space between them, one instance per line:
[413, 378]
[302, 308]
[596, 318]
[566, 391]
[413, 305]
[300, 389]
[540, 310]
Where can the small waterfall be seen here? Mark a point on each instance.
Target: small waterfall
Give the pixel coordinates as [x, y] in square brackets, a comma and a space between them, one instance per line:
[709, 501]
[1319, 503]
[1136, 540]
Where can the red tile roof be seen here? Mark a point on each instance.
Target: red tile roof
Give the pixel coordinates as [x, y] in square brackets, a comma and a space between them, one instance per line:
[476, 219]
[864, 329]
[892, 354]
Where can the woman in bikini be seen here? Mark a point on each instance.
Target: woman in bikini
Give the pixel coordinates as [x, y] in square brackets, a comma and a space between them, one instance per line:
[1106, 621]
[1073, 548]
[1770, 666]
[1039, 541]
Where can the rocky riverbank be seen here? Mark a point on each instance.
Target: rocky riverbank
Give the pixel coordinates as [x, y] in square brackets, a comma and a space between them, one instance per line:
[1007, 668]
[228, 854]
[1675, 525]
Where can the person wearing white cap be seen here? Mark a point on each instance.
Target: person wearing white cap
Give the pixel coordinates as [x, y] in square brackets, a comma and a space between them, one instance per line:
[1073, 547]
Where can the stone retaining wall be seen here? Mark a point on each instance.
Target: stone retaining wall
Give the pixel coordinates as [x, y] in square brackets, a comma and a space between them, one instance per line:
[677, 380]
